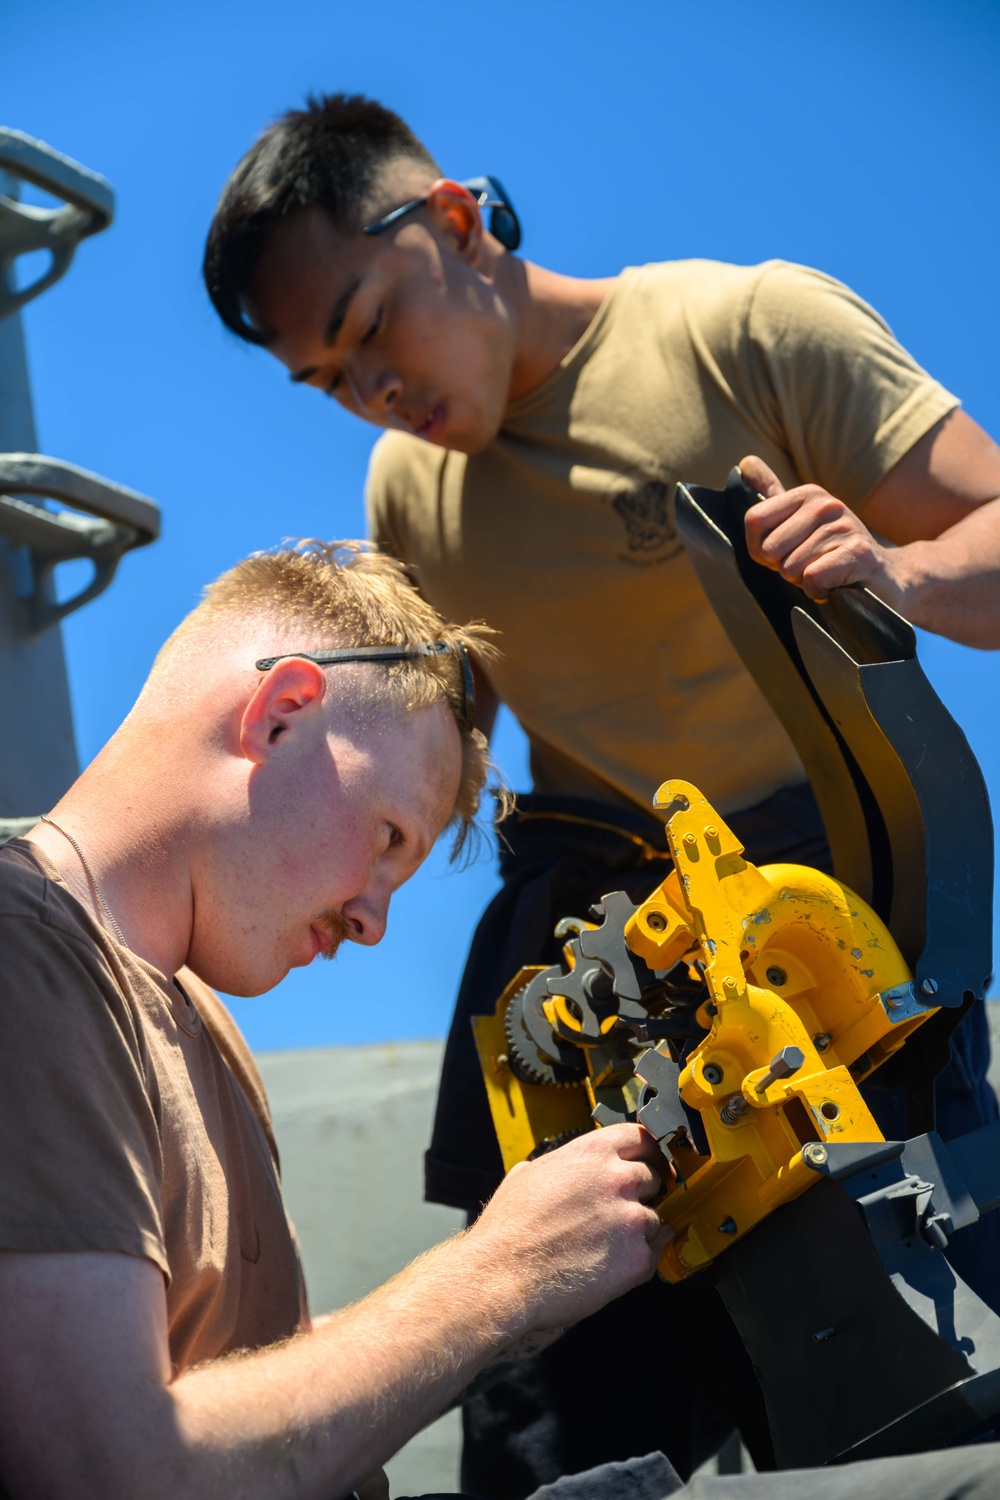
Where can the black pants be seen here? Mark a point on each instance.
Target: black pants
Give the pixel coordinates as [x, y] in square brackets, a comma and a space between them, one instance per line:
[663, 1367]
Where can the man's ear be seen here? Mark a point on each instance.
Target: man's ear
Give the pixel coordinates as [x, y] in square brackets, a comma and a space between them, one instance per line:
[455, 211]
[288, 696]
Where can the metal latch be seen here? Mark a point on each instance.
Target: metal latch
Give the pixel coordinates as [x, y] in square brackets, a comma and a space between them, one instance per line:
[88, 207]
[116, 521]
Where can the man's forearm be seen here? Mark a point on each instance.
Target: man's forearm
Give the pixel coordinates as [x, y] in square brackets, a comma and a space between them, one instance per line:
[317, 1415]
[950, 585]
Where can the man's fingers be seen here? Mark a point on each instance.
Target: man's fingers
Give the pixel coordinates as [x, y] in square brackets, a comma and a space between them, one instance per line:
[632, 1142]
[763, 479]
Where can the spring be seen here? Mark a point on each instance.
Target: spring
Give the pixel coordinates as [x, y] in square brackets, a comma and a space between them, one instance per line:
[734, 1110]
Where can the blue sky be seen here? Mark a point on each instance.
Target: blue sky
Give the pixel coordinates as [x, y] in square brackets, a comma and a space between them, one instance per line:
[859, 138]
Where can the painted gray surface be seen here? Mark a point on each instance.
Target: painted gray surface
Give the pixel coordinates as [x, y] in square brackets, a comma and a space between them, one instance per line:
[352, 1124]
[38, 768]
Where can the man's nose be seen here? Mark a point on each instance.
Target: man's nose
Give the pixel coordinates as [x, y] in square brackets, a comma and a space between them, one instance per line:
[376, 393]
[367, 915]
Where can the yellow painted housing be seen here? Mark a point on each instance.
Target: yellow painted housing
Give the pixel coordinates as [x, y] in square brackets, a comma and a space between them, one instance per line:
[791, 958]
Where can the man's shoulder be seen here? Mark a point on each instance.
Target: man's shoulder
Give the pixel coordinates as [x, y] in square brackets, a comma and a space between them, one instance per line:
[398, 459]
[404, 477]
[30, 893]
[714, 289]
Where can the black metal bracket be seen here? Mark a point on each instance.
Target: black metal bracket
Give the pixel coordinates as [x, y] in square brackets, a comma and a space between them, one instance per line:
[117, 520]
[902, 797]
[88, 207]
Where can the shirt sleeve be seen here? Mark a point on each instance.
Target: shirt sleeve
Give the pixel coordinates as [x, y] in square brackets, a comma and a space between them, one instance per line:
[81, 1148]
[841, 395]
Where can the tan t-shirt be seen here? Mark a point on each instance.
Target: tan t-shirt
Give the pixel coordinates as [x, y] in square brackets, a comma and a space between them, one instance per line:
[561, 535]
[133, 1119]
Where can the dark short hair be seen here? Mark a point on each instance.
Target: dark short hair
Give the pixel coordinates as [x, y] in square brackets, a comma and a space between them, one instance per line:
[328, 155]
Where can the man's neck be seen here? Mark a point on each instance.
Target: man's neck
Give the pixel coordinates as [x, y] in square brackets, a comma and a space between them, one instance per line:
[551, 313]
[117, 851]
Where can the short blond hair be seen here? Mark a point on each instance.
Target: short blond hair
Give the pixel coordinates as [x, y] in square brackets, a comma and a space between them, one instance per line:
[348, 594]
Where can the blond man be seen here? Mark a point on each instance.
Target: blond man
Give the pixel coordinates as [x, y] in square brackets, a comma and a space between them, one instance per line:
[302, 740]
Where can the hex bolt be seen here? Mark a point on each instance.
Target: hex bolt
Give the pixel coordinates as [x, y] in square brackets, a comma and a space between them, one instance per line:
[776, 977]
[814, 1155]
[734, 1110]
[728, 1225]
[822, 1040]
[656, 921]
[712, 1073]
[929, 986]
[783, 1064]
[729, 983]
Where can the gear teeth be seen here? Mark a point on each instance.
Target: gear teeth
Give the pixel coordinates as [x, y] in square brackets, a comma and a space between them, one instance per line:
[525, 1059]
[553, 1142]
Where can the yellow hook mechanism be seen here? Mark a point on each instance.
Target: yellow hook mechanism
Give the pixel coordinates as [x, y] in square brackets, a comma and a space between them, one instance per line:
[805, 995]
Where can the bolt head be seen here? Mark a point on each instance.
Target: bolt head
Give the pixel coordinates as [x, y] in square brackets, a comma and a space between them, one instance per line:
[822, 1040]
[728, 1225]
[776, 976]
[729, 983]
[815, 1154]
[929, 986]
[712, 1073]
[656, 921]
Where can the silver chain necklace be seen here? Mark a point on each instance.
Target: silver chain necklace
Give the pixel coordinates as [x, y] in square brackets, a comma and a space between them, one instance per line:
[93, 879]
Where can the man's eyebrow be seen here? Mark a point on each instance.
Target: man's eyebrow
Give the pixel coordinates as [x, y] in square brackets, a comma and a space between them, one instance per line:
[333, 326]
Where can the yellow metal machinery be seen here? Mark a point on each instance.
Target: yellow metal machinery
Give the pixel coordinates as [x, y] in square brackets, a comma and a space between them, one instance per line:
[805, 993]
[738, 1012]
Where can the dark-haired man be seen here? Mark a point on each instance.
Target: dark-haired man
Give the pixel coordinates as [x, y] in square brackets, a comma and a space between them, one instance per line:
[541, 422]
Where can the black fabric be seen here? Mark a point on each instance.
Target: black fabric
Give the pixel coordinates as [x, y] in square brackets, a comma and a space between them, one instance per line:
[661, 1369]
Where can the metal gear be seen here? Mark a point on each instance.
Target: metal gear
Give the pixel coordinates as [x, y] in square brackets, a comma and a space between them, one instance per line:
[553, 1142]
[547, 1059]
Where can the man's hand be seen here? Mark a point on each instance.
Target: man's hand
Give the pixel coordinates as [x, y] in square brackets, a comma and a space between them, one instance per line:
[939, 507]
[574, 1229]
[813, 539]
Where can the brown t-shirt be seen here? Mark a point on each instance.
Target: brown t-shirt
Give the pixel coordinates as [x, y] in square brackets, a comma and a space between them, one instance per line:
[133, 1119]
[561, 535]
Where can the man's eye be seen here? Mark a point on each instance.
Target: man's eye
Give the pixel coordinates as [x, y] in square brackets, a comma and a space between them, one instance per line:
[374, 327]
[333, 385]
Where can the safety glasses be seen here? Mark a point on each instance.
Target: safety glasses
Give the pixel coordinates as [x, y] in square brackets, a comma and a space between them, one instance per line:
[467, 708]
[488, 192]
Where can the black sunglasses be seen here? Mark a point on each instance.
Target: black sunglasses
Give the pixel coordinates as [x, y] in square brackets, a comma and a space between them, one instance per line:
[467, 709]
[504, 225]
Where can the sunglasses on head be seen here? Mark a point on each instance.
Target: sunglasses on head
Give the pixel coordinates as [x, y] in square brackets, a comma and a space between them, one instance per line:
[488, 192]
[467, 708]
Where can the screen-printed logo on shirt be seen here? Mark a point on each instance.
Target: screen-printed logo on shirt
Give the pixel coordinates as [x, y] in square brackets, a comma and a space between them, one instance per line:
[649, 526]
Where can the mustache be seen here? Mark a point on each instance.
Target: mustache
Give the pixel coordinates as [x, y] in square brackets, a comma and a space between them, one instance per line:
[338, 928]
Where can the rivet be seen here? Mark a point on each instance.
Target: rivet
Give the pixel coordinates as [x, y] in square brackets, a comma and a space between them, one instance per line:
[690, 840]
[711, 832]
